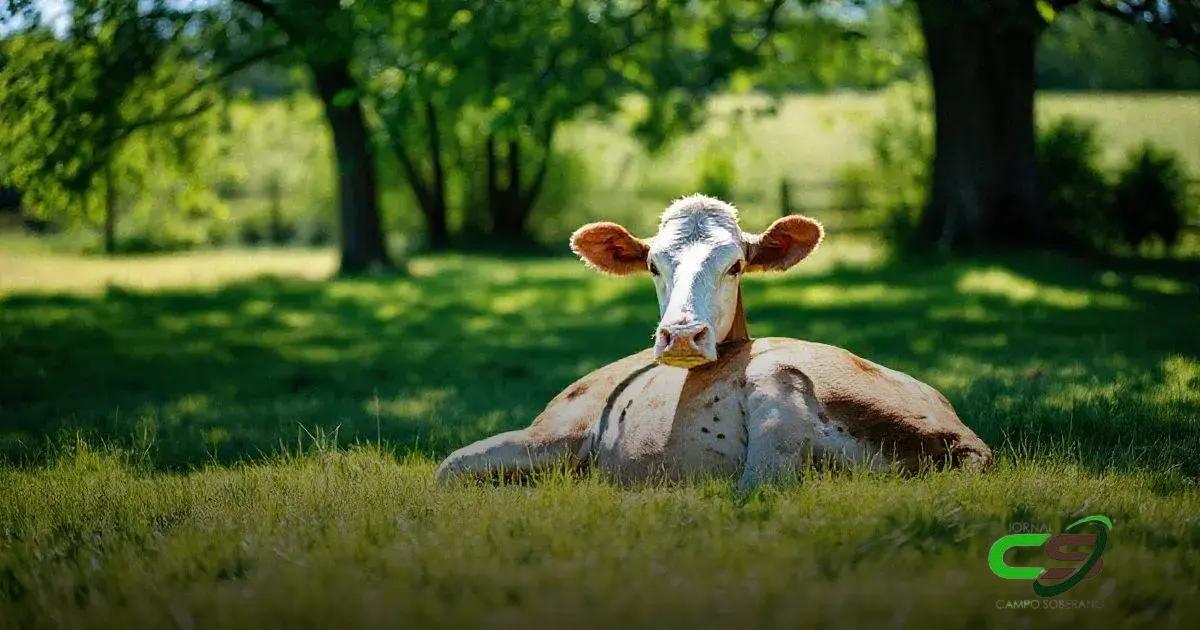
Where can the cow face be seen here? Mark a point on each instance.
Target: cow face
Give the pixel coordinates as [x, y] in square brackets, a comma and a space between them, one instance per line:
[696, 260]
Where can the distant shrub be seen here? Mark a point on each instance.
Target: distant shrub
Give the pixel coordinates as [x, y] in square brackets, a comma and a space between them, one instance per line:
[169, 236]
[1075, 191]
[855, 190]
[319, 233]
[718, 173]
[557, 213]
[902, 146]
[1149, 198]
[1084, 208]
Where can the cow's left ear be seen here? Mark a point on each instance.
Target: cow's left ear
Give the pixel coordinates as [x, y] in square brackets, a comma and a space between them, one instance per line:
[786, 242]
[610, 248]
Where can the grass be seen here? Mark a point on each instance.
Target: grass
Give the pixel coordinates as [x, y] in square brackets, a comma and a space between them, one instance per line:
[188, 443]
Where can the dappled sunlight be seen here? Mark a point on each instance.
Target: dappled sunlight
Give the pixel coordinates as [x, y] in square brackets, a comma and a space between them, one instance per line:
[1145, 282]
[49, 273]
[1004, 283]
[816, 295]
[420, 406]
[474, 345]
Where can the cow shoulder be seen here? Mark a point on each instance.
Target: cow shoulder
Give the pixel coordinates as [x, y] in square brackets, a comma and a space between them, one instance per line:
[581, 403]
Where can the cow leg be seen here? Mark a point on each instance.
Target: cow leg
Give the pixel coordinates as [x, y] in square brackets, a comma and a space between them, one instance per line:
[514, 453]
[787, 430]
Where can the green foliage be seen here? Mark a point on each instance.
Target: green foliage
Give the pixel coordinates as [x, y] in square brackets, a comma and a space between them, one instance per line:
[276, 156]
[856, 187]
[717, 173]
[1075, 191]
[902, 148]
[1150, 197]
[1085, 50]
[822, 47]
[111, 97]
[570, 176]
[1082, 206]
[481, 113]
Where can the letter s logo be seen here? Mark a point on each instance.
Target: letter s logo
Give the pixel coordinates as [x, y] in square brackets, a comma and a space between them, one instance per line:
[1102, 525]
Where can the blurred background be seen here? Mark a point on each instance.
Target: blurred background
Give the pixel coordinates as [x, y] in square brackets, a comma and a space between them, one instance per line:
[385, 128]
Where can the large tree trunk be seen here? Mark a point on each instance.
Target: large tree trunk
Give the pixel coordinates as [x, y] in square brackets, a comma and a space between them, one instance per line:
[981, 60]
[362, 245]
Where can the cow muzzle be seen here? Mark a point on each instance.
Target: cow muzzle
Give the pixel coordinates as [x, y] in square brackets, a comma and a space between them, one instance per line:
[685, 345]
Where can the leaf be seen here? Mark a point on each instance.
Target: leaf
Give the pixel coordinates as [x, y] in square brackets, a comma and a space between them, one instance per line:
[344, 98]
[1046, 10]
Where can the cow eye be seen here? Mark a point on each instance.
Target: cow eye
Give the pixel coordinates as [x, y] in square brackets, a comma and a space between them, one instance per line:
[736, 268]
[653, 269]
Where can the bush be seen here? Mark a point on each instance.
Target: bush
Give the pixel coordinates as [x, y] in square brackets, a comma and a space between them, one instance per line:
[855, 190]
[718, 174]
[557, 213]
[1074, 188]
[1084, 209]
[1150, 196]
[902, 145]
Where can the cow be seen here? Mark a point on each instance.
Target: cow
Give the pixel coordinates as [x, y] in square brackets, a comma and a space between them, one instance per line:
[707, 400]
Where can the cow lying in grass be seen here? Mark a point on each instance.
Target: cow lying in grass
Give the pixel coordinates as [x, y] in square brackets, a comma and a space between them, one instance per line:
[707, 399]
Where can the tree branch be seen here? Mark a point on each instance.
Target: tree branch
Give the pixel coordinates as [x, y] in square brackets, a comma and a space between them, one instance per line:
[415, 180]
[130, 128]
[530, 195]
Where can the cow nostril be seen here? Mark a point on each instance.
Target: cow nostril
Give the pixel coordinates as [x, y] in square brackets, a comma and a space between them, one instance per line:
[699, 336]
[665, 335]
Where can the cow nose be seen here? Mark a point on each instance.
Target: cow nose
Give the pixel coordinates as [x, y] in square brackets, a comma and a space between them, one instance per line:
[683, 338]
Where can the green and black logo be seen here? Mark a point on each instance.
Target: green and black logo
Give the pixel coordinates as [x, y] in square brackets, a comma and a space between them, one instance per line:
[1051, 581]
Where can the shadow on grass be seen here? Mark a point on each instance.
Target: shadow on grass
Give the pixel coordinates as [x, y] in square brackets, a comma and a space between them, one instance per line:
[1044, 357]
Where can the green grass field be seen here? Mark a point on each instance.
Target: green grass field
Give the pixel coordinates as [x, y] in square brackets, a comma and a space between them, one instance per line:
[188, 443]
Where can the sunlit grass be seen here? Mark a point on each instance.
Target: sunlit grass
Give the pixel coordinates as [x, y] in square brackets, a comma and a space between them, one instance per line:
[43, 271]
[188, 443]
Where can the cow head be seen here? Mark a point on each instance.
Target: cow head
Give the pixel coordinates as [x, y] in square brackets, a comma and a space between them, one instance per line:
[697, 260]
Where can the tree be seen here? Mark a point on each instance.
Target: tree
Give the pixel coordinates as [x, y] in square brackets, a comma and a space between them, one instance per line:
[985, 187]
[495, 80]
[70, 103]
[123, 66]
[322, 34]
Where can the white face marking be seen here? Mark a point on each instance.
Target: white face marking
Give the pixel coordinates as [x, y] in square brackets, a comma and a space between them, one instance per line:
[697, 245]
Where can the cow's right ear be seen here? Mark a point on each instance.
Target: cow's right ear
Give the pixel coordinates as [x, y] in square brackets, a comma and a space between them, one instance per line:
[610, 248]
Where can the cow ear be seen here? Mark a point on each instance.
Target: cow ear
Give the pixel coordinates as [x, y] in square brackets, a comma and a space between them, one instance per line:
[786, 242]
[610, 248]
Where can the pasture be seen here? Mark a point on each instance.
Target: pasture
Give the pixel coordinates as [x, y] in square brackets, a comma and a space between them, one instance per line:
[188, 442]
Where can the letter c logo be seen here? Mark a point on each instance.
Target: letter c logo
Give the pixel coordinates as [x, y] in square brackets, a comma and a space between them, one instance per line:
[1004, 570]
